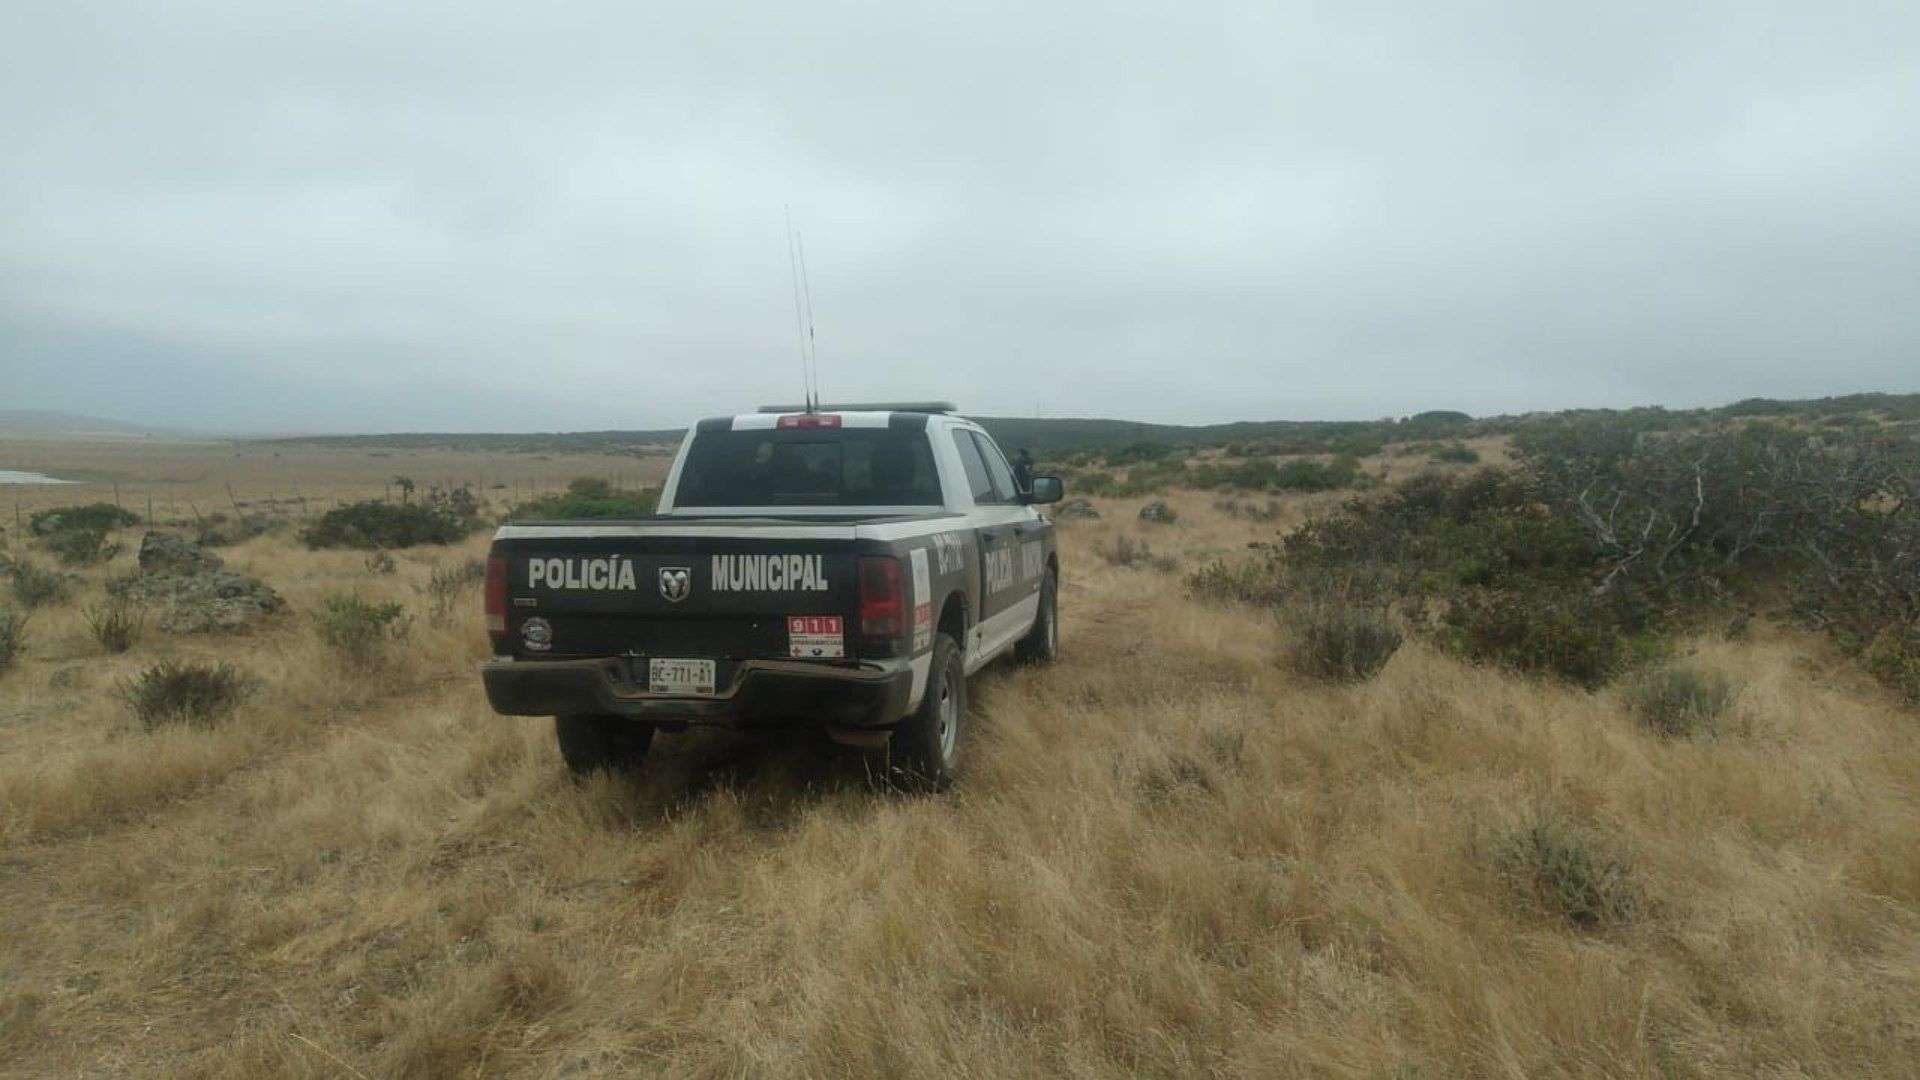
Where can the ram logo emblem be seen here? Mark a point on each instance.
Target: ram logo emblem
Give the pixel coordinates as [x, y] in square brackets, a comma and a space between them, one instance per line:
[676, 582]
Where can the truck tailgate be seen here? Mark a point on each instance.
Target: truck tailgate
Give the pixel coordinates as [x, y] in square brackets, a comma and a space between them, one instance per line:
[731, 598]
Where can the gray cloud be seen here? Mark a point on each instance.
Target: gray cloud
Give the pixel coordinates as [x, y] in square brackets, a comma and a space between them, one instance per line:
[445, 216]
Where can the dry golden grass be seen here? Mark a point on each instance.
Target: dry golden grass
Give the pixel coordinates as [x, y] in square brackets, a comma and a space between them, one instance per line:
[180, 479]
[1171, 856]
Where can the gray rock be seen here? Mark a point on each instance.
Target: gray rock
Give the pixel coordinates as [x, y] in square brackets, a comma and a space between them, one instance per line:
[208, 602]
[1157, 510]
[1077, 508]
[166, 553]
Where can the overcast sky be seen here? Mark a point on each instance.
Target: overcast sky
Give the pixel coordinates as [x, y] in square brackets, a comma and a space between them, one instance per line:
[412, 216]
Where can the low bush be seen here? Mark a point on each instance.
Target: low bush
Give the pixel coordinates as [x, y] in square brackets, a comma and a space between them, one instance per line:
[374, 525]
[13, 638]
[1893, 656]
[80, 546]
[1680, 702]
[116, 623]
[449, 584]
[1342, 642]
[185, 693]
[96, 517]
[1124, 551]
[1566, 870]
[218, 530]
[1305, 474]
[1095, 483]
[359, 629]
[1137, 453]
[1545, 632]
[591, 499]
[1455, 454]
[34, 587]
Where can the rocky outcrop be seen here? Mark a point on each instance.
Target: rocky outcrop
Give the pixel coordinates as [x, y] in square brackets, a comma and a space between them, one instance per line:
[191, 591]
[166, 553]
[1077, 508]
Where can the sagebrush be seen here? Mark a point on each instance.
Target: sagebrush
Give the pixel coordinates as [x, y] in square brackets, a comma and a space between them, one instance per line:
[185, 693]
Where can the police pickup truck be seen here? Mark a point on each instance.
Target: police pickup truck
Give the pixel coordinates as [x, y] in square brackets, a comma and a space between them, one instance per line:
[845, 564]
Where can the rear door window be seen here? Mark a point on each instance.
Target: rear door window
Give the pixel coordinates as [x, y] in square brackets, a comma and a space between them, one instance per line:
[809, 467]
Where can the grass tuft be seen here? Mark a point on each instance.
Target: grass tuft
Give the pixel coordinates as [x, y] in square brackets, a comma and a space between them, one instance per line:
[1680, 702]
[1568, 871]
[13, 638]
[116, 623]
[176, 692]
[1343, 642]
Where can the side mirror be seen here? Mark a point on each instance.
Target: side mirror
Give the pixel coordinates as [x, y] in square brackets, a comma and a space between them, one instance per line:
[1046, 489]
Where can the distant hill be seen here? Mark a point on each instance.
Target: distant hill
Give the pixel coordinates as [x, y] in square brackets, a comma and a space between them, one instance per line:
[44, 422]
[1055, 435]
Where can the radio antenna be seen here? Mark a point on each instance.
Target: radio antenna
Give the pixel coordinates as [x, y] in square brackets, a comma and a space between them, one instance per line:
[799, 329]
[806, 290]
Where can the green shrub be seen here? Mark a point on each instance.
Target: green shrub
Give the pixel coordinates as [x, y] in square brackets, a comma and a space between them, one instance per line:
[1342, 642]
[180, 692]
[97, 517]
[80, 546]
[1305, 474]
[35, 587]
[13, 638]
[1455, 454]
[116, 623]
[1360, 445]
[1094, 483]
[1893, 656]
[589, 499]
[1261, 580]
[1566, 870]
[1543, 632]
[375, 524]
[359, 629]
[1680, 702]
[1139, 453]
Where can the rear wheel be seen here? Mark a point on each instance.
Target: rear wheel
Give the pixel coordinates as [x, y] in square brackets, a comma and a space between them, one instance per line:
[1042, 643]
[925, 750]
[592, 743]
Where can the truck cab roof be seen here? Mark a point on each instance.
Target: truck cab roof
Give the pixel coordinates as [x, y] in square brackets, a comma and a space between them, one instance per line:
[911, 418]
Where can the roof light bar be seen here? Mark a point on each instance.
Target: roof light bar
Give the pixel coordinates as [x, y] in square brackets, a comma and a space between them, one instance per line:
[868, 406]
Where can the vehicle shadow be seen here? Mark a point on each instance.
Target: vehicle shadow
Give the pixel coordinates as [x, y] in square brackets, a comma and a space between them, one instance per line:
[772, 775]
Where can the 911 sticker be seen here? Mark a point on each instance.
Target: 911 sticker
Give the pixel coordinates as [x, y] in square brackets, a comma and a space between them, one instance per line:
[922, 602]
[816, 637]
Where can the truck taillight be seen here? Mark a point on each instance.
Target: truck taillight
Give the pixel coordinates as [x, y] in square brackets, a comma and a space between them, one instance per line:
[496, 594]
[808, 420]
[883, 608]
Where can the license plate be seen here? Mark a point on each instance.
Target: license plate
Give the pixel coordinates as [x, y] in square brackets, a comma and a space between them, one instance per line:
[812, 637]
[680, 676]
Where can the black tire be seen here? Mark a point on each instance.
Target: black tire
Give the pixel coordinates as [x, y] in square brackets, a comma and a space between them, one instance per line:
[924, 753]
[1042, 643]
[593, 743]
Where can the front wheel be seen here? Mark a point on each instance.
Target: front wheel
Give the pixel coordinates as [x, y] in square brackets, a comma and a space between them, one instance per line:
[1042, 643]
[924, 752]
[589, 744]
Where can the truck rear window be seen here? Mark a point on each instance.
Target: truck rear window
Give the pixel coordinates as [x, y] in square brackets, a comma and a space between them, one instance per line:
[809, 467]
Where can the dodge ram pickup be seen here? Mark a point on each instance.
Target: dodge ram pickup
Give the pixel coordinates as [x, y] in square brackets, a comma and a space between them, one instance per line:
[850, 565]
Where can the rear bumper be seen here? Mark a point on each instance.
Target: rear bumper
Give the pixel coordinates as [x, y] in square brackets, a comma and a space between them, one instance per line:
[874, 694]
